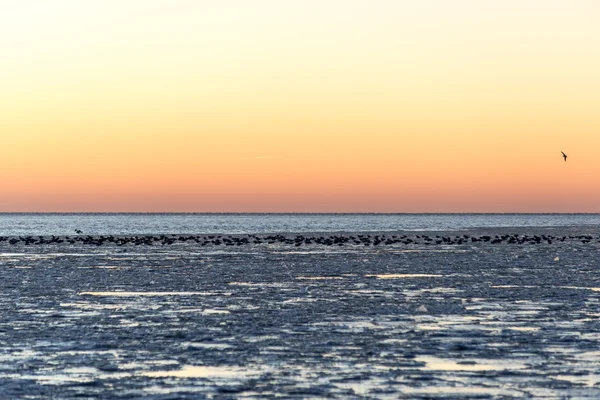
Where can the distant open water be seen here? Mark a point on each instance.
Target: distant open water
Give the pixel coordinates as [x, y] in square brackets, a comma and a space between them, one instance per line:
[139, 224]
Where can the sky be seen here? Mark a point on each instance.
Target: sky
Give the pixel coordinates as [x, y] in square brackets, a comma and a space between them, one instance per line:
[299, 106]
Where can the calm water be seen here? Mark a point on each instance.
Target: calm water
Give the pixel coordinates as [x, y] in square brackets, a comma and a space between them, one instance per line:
[135, 224]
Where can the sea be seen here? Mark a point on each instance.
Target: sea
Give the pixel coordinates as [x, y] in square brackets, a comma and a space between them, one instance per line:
[46, 224]
[185, 320]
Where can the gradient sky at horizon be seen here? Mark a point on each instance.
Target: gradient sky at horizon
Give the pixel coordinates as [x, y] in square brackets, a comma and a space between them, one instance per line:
[301, 106]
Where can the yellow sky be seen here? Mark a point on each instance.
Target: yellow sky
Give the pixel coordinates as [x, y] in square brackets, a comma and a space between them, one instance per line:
[329, 105]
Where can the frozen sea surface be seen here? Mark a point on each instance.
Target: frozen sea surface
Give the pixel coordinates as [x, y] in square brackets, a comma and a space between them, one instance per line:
[138, 224]
[458, 319]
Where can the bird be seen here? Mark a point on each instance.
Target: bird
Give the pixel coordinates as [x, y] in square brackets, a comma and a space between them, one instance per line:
[564, 156]
[78, 231]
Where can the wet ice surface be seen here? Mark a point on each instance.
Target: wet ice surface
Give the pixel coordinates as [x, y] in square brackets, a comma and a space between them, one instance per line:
[414, 321]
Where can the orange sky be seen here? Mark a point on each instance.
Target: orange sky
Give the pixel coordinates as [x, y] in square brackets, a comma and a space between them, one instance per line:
[303, 106]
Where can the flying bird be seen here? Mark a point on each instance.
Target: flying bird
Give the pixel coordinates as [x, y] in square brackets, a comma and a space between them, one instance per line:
[564, 156]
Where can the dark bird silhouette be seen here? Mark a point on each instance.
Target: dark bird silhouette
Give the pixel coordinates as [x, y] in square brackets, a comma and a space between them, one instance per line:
[78, 231]
[564, 156]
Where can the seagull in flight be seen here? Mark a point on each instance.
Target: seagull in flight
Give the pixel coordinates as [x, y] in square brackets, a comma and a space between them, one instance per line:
[564, 156]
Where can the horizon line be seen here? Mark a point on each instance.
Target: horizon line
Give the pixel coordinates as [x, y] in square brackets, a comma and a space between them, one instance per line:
[293, 213]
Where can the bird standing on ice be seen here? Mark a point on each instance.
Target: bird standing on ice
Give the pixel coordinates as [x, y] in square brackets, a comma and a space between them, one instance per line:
[564, 156]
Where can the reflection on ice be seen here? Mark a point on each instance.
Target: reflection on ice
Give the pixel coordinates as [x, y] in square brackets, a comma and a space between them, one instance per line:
[37, 256]
[595, 289]
[190, 371]
[590, 356]
[524, 328]
[365, 387]
[209, 345]
[351, 325]
[431, 251]
[89, 306]
[316, 251]
[89, 374]
[157, 389]
[146, 364]
[435, 290]
[67, 376]
[441, 364]
[401, 276]
[136, 294]
[466, 391]
[113, 353]
[19, 355]
[257, 339]
[512, 286]
[210, 311]
[300, 300]
[318, 278]
[258, 284]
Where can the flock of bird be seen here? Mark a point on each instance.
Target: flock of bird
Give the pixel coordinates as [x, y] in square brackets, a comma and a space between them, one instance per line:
[297, 240]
